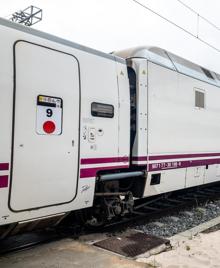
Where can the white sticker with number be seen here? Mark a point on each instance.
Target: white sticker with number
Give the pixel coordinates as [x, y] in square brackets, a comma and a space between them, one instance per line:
[49, 115]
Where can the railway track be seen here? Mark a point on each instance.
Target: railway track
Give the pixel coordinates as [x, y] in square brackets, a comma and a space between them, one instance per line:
[155, 208]
[150, 209]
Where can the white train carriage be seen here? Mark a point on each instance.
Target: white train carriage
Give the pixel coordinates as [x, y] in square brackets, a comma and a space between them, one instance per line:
[83, 129]
[177, 127]
[61, 123]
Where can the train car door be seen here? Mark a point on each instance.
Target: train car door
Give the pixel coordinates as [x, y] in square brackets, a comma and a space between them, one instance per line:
[45, 128]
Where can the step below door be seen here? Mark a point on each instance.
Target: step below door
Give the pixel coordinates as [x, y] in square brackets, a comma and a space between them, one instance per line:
[46, 128]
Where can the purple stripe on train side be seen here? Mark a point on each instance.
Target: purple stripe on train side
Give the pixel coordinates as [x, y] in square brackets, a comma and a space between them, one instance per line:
[91, 172]
[104, 160]
[176, 156]
[3, 181]
[173, 156]
[139, 158]
[4, 166]
[182, 164]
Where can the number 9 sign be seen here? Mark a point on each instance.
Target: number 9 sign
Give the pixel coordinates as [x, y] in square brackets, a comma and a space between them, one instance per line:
[49, 115]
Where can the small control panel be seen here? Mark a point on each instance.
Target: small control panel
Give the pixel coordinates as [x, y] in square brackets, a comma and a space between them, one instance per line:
[92, 134]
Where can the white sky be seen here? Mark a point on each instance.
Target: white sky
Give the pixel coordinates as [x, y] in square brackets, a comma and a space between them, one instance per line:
[110, 25]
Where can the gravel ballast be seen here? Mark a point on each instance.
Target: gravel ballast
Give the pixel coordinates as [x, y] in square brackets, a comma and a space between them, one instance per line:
[170, 225]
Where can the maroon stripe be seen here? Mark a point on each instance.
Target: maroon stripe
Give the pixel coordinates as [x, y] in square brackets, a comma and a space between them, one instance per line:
[182, 164]
[3, 181]
[91, 172]
[139, 158]
[104, 160]
[4, 166]
[175, 156]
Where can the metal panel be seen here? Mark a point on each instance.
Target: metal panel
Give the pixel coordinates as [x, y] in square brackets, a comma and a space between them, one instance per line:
[131, 244]
[195, 176]
[141, 137]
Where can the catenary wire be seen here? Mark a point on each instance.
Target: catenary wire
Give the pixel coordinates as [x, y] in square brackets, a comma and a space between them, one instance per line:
[197, 13]
[176, 25]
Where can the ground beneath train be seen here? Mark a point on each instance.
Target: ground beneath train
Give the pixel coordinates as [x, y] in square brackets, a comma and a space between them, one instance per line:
[67, 253]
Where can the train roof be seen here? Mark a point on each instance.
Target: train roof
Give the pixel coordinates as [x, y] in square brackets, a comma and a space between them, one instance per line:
[172, 61]
[59, 40]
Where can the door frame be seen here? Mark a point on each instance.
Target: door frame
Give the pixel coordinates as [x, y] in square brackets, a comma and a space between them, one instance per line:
[13, 126]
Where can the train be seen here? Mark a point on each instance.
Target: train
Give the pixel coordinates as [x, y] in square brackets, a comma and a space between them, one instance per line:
[87, 132]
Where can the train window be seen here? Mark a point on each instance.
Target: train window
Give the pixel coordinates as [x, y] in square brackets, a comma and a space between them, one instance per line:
[199, 99]
[207, 73]
[102, 110]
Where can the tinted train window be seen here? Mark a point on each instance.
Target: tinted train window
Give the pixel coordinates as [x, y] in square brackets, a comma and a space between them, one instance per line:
[199, 99]
[102, 110]
[207, 73]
